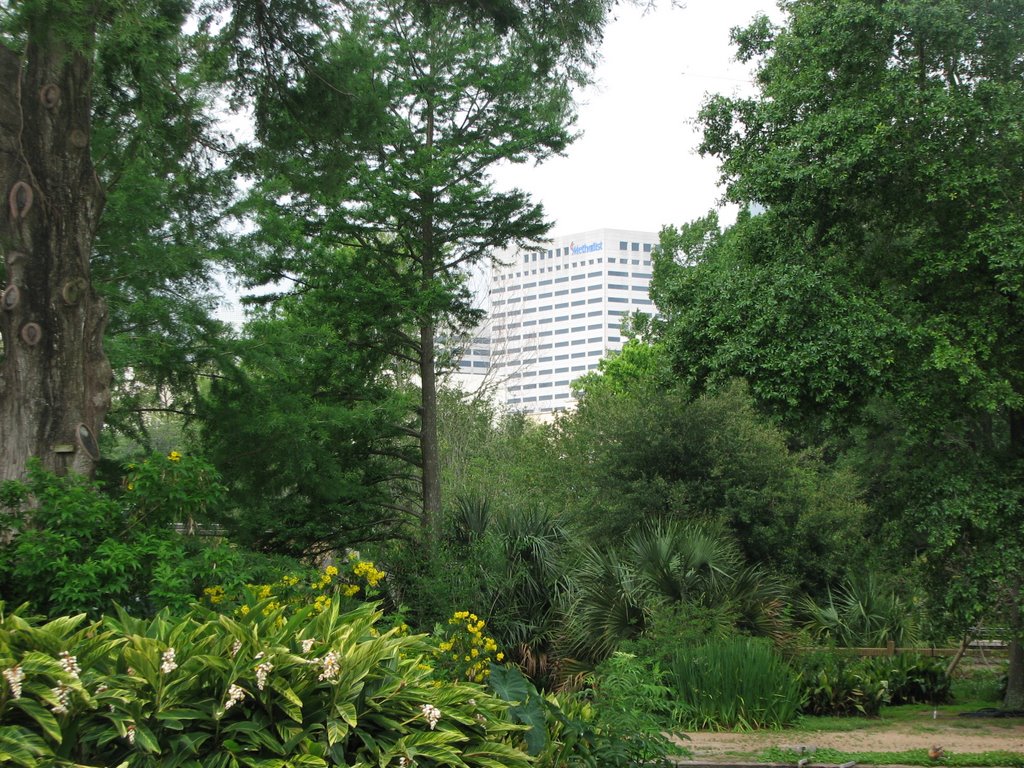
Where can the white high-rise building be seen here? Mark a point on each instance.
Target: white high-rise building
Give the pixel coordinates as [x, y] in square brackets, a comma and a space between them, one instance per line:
[556, 311]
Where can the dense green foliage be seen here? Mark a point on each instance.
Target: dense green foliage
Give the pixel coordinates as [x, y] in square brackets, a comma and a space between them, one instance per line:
[832, 389]
[742, 683]
[206, 690]
[384, 145]
[79, 549]
[840, 684]
[311, 431]
[873, 301]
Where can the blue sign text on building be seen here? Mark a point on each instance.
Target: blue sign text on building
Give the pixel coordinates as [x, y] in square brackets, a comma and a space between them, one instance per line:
[576, 250]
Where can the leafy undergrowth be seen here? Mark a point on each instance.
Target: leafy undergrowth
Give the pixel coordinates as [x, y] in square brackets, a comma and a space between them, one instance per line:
[998, 759]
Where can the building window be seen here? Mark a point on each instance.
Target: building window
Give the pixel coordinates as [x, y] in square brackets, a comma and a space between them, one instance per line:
[623, 245]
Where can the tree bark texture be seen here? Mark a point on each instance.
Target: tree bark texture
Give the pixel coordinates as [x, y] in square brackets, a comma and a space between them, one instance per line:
[429, 445]
[54, 376]
[1014, 699]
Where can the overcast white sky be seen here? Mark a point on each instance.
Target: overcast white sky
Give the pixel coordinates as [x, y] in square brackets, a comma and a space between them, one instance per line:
[636, 166]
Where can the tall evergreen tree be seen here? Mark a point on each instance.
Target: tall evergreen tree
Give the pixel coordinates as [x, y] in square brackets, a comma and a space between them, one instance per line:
[387, 146]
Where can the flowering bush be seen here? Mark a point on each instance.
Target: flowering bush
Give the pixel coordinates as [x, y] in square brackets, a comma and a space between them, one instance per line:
[357, 578]
[464, 651]
[210, 690]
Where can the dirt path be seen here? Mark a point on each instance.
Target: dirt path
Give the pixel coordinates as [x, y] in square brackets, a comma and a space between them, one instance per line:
[955, 734]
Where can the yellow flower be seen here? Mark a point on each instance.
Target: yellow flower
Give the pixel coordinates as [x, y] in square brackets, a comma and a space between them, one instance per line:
[321, 603]
[244, 610]
[289, 580]
[174, 456]
[131, 486]
[500, 656]
[214, 594]
[265, 591]
[331, 571]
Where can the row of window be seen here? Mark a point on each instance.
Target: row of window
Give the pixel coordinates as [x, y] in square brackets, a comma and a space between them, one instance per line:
[526, 374]
[565, 251]
[545, 384]
[556, 396]
[500, 276]
[634, 246]
[498, 328]
[554, 345]
[563, 291]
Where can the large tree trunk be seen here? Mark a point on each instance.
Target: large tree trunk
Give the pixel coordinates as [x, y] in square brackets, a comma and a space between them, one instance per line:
[54, 376]
[1015, 673]
[429, 445]
[1015, 677]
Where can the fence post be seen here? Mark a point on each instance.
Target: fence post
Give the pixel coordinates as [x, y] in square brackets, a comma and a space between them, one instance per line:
[890, 648]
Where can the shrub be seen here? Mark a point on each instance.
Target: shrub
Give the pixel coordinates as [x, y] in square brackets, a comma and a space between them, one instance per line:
[838, 685]
[914, 679]
[619, 721]
[215, 691]
[739, 683]
[78, 549]
[843, 685]
[464, 651]
[632, 709]
[352, 580]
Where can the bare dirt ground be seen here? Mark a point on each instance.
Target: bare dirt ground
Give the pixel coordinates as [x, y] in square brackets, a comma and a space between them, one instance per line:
[954, 734]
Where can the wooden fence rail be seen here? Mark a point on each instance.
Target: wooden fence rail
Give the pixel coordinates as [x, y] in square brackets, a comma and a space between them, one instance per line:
[978, 649]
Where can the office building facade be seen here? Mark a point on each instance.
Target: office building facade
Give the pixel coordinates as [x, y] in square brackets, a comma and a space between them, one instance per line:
[556, 311]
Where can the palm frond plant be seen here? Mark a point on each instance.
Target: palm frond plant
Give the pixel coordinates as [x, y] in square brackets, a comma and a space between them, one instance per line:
[526, 588]
[862, 611]
[605, 605]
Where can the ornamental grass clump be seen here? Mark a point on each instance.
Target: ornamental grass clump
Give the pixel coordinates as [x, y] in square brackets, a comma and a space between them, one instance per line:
[737, 683]
[303, 689]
